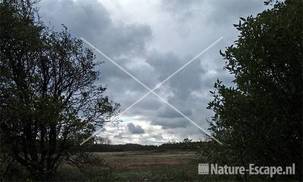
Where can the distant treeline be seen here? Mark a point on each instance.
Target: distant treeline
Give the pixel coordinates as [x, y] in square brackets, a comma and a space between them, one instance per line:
[138, 147]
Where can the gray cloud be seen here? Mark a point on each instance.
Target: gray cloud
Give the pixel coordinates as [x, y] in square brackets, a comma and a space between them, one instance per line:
[89, 19]
[151, 49]
[171, 123]
[219, 11]
[135, 129]
[167, 112]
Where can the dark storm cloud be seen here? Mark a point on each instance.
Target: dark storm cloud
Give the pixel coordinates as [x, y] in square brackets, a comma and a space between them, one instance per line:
[135, 129]
[164, 63]
[89, 19]
[92, 21]
[171, 123]
[218, 11]
[196, 77]
[167, 112]
[189, 27]
[217, 16]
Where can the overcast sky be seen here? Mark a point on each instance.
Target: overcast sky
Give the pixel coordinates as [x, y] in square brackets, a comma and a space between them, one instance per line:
[152, 39]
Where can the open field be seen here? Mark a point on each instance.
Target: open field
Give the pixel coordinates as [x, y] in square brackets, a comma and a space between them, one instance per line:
[144, 166]
[145, 160]
[138, 166]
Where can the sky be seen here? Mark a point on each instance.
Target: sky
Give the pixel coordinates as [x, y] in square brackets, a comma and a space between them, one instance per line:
[151, 39]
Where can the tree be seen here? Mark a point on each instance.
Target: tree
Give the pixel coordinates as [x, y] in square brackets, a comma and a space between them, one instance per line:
[49, 100]
[259, 119]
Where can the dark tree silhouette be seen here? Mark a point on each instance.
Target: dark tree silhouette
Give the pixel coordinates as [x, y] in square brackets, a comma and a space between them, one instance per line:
[259, 120]
[49, 100]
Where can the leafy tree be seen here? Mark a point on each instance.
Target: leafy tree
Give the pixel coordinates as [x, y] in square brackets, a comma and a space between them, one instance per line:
[259, 119]
[49, 100]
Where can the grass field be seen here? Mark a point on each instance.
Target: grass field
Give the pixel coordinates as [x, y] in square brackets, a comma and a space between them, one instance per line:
[145, 166]
[142, 160]
[137, 166]
[141, 166]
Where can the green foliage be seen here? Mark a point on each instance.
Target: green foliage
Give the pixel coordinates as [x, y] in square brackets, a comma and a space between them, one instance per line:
[259, 120]
[48, 97]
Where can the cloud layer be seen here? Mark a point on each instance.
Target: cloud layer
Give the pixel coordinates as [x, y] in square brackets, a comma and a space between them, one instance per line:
[152, 39]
